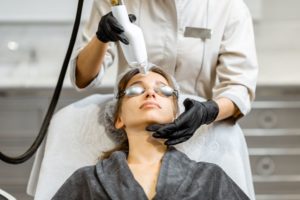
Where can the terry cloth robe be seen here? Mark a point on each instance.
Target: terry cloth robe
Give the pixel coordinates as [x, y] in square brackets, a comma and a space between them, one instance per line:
[179, 178]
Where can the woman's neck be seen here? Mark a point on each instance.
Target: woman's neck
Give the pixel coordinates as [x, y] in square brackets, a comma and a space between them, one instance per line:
[143, 148]
[144, 158]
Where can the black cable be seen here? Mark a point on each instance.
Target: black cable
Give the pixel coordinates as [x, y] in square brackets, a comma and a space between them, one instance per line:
[43, 131]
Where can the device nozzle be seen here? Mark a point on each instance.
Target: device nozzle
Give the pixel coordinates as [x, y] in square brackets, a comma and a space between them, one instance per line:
[142, 67]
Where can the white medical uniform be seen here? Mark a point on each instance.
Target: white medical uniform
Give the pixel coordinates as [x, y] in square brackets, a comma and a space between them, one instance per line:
[224, 65]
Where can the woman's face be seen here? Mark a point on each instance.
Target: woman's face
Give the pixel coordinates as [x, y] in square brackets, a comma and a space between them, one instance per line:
[147, 107]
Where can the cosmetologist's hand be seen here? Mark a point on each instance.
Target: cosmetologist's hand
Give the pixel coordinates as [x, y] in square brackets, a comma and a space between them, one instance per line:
[196, 114]
[109, 29]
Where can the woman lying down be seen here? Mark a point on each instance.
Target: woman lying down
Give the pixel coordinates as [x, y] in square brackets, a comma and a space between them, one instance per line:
[143, 167]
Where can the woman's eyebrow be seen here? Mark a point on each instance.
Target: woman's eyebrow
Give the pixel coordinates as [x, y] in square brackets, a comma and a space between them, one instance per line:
[160, 82]
[135, 82]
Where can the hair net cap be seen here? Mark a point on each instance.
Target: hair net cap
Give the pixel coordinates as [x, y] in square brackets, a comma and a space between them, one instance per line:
[113, 133]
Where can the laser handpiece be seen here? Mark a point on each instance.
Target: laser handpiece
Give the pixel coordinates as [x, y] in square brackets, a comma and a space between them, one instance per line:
[135, 52]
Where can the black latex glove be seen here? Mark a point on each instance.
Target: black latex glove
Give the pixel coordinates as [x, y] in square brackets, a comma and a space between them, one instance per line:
[196, 114]
[109, 29]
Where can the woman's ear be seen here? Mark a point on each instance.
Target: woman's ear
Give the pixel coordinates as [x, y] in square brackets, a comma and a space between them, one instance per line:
[119, 123]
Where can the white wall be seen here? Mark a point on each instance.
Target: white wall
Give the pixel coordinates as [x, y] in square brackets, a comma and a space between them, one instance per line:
[278, 42]
[41, 10]
[41, 29]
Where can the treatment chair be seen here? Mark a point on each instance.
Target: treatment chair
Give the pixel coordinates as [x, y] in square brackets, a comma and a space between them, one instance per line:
[76, 137]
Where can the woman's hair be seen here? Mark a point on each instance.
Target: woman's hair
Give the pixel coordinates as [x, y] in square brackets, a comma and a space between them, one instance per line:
[120, 134]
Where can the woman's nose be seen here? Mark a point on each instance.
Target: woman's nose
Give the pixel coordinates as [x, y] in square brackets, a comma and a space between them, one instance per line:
[150, 93]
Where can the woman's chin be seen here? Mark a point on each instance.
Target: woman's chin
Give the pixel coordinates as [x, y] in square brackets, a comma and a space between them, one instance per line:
[157, 117]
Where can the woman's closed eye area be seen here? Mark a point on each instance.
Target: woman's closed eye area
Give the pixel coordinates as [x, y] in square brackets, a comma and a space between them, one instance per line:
[138, 89]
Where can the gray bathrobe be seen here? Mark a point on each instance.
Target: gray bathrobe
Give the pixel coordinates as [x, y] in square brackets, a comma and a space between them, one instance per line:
[179, 178]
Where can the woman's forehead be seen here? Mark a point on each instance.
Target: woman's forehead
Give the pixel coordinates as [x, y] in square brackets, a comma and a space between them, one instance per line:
[150, 77]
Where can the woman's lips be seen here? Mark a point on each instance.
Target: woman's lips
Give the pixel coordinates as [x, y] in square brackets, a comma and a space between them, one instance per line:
[150, 105]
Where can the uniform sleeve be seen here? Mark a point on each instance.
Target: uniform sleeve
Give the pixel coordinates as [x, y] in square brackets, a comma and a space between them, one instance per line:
[99, 8]
[237, 67]
[225, 188]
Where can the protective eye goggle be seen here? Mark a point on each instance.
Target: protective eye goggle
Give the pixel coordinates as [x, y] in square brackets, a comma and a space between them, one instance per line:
[135, 90]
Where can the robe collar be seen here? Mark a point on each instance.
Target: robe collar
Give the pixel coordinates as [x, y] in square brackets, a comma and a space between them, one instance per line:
[119, 182]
